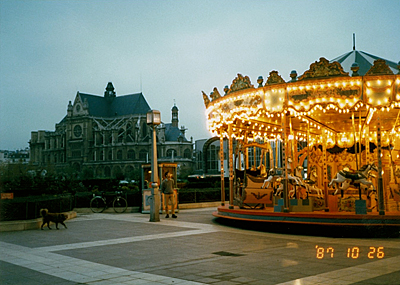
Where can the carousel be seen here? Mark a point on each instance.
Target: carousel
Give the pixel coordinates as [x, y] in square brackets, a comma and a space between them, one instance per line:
[322, 149]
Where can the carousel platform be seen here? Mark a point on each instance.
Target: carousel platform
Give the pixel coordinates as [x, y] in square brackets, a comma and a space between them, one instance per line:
[329, 223]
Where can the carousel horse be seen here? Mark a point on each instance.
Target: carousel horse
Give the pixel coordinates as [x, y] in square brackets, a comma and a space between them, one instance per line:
[349, 177]
[295, 180]
[292, 192]
[275, 173]
[310, 183]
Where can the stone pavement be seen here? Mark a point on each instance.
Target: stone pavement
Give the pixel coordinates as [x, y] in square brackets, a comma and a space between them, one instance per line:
[196, 248]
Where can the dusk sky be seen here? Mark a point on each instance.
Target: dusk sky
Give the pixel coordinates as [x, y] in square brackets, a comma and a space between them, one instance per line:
[169, 50]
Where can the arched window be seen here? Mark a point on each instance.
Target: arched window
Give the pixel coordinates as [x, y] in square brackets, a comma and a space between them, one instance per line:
[144, 129]
[143, 155]
[129, 136]
[131, 154]
[129, 133]
[120, 135]
[187, 154]
[129, 172]
[102, 155]
[119, 154]
[171, 152]
[109, 156]
[99, 172]
[107, 171]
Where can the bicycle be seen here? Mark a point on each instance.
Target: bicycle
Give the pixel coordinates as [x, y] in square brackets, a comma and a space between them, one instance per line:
[99, 203]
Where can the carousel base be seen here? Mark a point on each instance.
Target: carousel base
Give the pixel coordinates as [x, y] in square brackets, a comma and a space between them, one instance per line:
[320, 223]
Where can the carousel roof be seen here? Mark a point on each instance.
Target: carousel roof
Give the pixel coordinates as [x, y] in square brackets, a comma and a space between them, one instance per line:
[364, 60]
[326, 102]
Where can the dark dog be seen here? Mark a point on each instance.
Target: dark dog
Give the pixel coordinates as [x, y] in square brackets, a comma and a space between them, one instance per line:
[52, 217]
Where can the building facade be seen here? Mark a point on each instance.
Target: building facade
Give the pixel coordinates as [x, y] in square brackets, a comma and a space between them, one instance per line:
[108, 137]
[14, 156]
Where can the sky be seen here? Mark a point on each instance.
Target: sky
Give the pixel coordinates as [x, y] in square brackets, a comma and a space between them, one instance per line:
[168, 50]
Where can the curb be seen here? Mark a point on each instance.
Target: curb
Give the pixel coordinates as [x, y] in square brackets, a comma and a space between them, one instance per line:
[22, 225]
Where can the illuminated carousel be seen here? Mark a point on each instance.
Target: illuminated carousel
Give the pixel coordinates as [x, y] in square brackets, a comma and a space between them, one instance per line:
[321, 149]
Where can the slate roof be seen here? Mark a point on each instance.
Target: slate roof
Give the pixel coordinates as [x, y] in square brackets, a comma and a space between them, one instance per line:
[172, 133]
[100, 106]
[364, 60]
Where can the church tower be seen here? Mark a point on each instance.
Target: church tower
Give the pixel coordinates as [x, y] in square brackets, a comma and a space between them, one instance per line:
[109, 93]
[175, 119]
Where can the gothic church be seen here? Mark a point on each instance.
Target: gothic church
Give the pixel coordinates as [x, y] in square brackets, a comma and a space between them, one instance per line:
[107, 137]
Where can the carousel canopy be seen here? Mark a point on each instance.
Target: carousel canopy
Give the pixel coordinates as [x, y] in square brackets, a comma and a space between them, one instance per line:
[327, 104]
[364, 60]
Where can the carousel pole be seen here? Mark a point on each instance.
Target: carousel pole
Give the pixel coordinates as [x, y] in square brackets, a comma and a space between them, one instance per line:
[356, 151]
[325, 170]
[246, 153]
[221, 155]
[308, 149]
[284, 166]
[360, 135]
[230, 166]
[355, 140]
[367, 145]
[381, 204]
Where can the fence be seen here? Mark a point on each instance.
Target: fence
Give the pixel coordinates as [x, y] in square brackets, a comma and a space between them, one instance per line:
[27, 208]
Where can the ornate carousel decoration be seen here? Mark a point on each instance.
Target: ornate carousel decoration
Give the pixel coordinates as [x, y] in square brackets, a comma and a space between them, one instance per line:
[325, 141]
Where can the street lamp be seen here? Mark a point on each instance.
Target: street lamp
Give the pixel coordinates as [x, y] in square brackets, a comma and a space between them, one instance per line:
[154, 119]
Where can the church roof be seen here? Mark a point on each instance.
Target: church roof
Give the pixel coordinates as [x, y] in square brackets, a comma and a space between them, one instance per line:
[364, 60]
[115, 106]
[173, 134]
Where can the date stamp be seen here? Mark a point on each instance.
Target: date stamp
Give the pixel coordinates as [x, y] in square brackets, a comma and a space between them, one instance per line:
[353, 252]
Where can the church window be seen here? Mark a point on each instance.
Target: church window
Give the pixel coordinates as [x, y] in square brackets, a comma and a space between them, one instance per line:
[144, 129]
[171, 152]
[109, 156]
[129, 136]
[187, 154]
[143, 155]
[131, 154]
[119, 154]
[77, 131]
[120, 135]
[107, 171]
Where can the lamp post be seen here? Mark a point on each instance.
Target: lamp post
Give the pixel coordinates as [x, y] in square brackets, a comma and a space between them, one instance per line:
[154, 119]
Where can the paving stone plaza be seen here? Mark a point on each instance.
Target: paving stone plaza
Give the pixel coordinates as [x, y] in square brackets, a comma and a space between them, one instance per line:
[196, 248]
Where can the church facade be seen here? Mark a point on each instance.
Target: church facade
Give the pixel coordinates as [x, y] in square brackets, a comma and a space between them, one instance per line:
[108, 137]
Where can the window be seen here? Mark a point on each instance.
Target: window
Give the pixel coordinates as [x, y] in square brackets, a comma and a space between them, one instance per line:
[187, 154]
[77, 131]
[119, 154]
[171, 152]
[131, 154]
[120, 135]
[107, 171]
[213, 157]
[129, 136]
[143, 155]
[144, 129]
